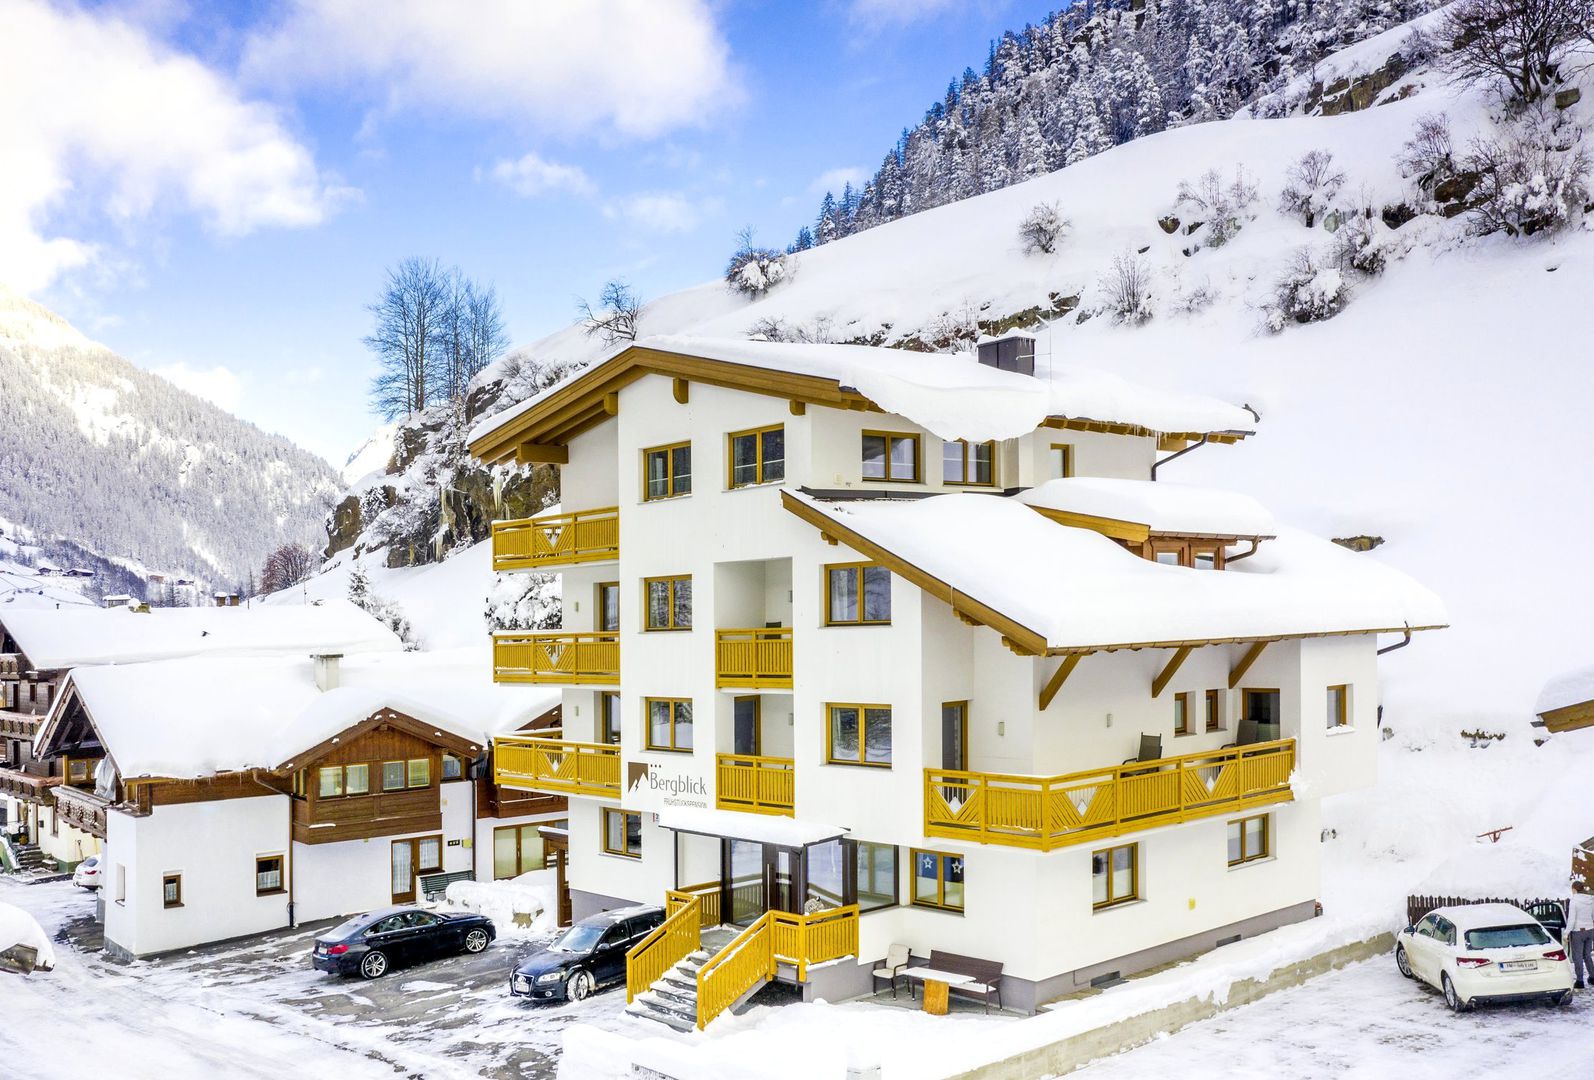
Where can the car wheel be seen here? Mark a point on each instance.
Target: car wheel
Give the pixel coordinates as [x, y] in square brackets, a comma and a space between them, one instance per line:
[475, 941]
[580, 986]
[374, 966]
[1561, 1000]
[1403, 963]
[1452, 998]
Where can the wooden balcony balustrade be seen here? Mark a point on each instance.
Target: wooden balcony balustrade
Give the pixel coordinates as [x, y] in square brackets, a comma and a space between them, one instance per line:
[493, 801]
[753, 659]
[557, 657]
[553, 540]
[573, 768]
[10, 665]
[81, 809]
[355, 817]
[25, 785]
[17, 725]
[758, 785]
[1056, 811]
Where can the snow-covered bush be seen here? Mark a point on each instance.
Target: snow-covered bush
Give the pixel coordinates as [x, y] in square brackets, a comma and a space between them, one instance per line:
[1197, 297]
[1223, 207]
[384, 611]
[1127, 289]
[1308, 291]
[1356, 247]
[1527, 183]
[820, 330]
[754, 270]
[1429, 155]
[1310, 187]
[1041, 228]
[524, 602]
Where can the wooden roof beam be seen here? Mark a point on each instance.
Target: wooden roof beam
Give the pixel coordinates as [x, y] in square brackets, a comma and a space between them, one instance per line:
[1175, 662]
[541, 454]
[1058, 677]
[681, 389]
[1251, 656]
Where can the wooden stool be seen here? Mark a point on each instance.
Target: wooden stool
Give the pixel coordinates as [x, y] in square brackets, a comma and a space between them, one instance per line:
[935, 997]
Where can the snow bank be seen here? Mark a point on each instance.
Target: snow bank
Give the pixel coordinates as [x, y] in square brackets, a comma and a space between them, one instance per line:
[1184, 509]
[17, 927]
[1568, 688]
[517, 906]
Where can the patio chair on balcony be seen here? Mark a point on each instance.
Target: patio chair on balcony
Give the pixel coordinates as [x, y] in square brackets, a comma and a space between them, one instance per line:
[1249, 732]
[1150, 750]
[891, 968]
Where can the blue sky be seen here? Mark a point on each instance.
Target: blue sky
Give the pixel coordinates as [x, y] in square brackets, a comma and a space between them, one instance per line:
[219, 203]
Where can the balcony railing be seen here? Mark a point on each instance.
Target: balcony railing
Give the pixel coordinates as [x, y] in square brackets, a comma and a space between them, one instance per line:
[10, 665]
[25, 785]
[1057, 811]
[758, 785]
[81, 809]
[17, 725]
[557, 657]
[756, 659]
[582, 536]
[573, 768]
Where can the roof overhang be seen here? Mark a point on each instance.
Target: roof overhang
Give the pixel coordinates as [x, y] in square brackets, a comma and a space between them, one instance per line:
[389, 718]
[1136, 532]
[1573, 717]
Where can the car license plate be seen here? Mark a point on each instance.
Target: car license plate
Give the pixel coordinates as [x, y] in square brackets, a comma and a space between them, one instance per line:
[1518, 965]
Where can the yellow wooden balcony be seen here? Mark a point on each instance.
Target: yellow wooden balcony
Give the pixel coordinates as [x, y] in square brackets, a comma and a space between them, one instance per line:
[755, 659]
[553, 540]
[533, 764]
[557, 657]
[758, 785]
[1057, 811]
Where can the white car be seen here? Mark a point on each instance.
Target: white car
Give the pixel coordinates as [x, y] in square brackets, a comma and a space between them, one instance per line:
[87, 874]
[1485, 952]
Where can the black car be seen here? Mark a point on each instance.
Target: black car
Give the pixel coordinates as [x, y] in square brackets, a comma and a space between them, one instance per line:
[392, 937]
[589, 955]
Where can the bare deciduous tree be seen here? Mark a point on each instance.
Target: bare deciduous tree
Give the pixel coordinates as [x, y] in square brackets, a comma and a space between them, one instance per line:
[1429, 155]
[1041, 228]
[1519, 43]
[1310, 186]
[286, 567]
[1128, 289]
[616, 316]
[408, 319]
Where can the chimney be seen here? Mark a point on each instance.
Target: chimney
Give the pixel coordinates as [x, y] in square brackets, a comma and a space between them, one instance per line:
[326, 670]
[1014, 351]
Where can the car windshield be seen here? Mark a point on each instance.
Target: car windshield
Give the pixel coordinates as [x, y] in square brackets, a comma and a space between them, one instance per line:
[1506, 937]
[579, 939]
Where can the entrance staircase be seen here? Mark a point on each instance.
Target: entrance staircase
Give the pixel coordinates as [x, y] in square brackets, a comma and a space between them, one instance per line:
[29, 858]
[672, 999]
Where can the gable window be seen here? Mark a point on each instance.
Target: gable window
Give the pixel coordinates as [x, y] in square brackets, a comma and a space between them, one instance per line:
[1181, 714]
[669, 724]
[667, 471]
[857, 593]
[757, 456]
[609, 708]
[1114, 876]
[393, 775]
[356, 779]
[77, 771]
[669, 603]
[1338, 707]
[1214, 717]
[890, 455]
[419, 772]
[331, 782]
[858, 735]
[1249, 840]
[963, 462]
[937, 880]
[172, 890]
[622, 833]
[608, 597]
[1062, 460]
[268, 875]
[453, 767]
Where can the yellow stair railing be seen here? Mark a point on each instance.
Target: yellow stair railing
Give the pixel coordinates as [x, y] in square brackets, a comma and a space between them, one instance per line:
[672, 941]
[759, 785]
[549, 540]
[774, 938]
[753, 659]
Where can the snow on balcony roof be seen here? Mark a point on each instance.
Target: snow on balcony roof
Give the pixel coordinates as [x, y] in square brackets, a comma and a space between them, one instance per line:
[1181, 509]
[199, 716]
[952, 395]
[763, 828]
[1076, 589]
[68, 638]
[1567, 688]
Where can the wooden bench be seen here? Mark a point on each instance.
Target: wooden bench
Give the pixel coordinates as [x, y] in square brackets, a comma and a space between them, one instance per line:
[985, 976]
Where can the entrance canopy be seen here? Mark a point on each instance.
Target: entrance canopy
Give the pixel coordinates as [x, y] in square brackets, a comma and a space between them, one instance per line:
[762, 828]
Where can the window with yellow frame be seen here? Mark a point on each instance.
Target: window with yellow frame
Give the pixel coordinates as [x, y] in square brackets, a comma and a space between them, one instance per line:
[937, 880]
[1114, 876]
[757, 456]
[891, 455]
[667, 602]
[858, 735]
[1250, 840]
[968, 464]
[1062, 460]
[622, 833]
[1338, 707]
[666, 471]
[669, 723]
[857, 594]
[1181, 714]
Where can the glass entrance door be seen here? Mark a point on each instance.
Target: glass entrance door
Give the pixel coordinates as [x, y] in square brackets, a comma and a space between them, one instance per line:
[745, 880]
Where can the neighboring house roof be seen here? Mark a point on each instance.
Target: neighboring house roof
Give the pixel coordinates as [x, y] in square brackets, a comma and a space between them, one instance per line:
[1160, 507]
[953, 396]
[1051, 588]
[199, 716]
[1567, 701]
[72, 637]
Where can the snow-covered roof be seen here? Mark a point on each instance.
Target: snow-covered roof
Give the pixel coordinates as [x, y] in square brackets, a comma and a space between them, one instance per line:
[952, 395]
[763, 828]
[1072, 588]
[1568, 688]
[17, 927]
[69, 638]
[198, 716]
[1181, 509]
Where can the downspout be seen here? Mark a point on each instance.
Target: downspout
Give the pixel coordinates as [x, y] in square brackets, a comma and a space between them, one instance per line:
[1155, 465]
[1401, 644]
[1227, 559]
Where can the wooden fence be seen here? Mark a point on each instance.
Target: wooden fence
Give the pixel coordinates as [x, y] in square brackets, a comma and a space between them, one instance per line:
[1418, 906]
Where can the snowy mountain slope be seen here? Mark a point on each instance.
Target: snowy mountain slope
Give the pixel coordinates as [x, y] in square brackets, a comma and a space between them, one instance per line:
[1439, 410]
[100, 452]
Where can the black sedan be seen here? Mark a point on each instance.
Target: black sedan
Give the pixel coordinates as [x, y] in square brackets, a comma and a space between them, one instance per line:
[392, 937]
[590, 954]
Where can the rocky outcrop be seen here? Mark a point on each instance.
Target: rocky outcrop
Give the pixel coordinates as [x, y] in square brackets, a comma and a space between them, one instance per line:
[1355, 93]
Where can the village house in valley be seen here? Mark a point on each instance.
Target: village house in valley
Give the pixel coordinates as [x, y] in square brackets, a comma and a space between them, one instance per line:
[864, 648]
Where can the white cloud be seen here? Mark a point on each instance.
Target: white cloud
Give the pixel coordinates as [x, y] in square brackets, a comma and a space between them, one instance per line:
[98, 118]
[836, 179]
[660, 211]
[217, 385]
[635, 67]
[897, 12]
[531, 175]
